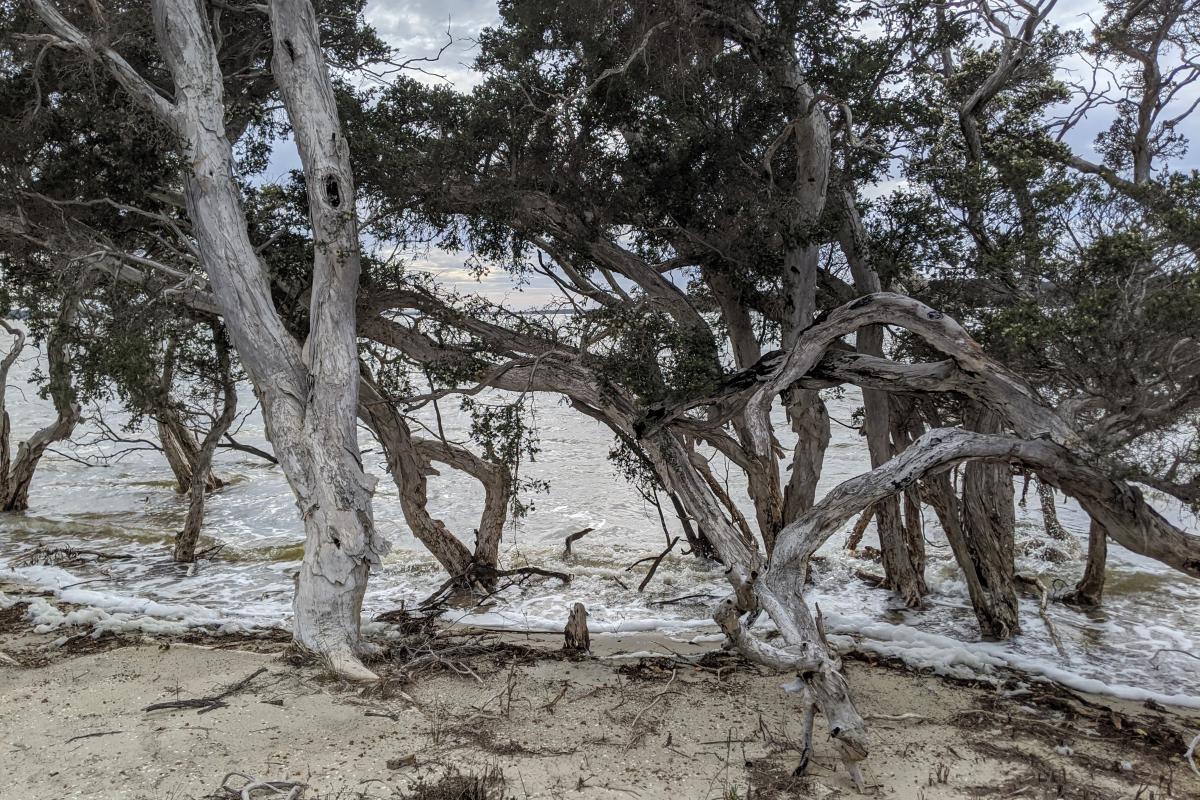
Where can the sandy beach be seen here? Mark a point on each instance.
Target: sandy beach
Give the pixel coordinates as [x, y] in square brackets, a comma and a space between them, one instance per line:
[494, 716]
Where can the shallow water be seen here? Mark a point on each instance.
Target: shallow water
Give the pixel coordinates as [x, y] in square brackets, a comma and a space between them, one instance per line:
[130, 507]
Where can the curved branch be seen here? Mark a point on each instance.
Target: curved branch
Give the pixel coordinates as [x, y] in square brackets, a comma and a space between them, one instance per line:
[130, 79]
[1118, 506]
[988, 381]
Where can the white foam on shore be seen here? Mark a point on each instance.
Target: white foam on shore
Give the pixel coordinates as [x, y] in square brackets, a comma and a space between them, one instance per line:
[102, 611]
[954, 658]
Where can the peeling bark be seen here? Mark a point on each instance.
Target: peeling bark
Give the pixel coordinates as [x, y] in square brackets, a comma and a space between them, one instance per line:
[1089, 592]
[988, 525]
[309, 394]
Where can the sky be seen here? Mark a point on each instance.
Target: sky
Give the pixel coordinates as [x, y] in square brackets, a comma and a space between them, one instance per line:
[418, 28]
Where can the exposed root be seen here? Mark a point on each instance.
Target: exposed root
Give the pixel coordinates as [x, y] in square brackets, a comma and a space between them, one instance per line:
[346, 665]
[255, 789]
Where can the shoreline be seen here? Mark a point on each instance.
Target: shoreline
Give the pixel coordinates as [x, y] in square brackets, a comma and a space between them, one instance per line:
[508, 712]
[919, 649]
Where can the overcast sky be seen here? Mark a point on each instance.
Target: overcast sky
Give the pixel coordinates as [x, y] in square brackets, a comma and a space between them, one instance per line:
[418, 28]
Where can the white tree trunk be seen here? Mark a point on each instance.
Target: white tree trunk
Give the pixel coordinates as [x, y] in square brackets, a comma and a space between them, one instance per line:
[309, 396]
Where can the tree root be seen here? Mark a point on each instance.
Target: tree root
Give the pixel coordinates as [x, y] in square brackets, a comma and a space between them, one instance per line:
[255, 789]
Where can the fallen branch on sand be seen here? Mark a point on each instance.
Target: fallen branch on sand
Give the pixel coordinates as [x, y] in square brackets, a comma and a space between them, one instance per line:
[634, 735]
[254, 788]
[206, 704]
[91, 735]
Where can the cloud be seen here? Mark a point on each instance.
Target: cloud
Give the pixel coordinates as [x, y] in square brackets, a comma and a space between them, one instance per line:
[418, 29]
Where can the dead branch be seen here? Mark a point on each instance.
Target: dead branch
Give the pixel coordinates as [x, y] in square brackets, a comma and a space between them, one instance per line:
[253, 787]
[574, 537]
[654, 566]
[634, 737]
[860, 527]
[62, 556]
[211, 703]
[1043, 601]
[91, 735]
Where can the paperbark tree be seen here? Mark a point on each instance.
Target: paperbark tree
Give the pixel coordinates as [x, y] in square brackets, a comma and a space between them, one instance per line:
[309, 391]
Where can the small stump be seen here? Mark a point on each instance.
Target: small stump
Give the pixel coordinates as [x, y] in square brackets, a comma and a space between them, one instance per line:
[576, 632]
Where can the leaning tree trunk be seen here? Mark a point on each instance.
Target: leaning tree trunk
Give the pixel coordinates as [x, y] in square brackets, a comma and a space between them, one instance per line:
[409, 472]
[991, 590]
[16, 474]
[809, 420]
[806, 411]
[185, 541]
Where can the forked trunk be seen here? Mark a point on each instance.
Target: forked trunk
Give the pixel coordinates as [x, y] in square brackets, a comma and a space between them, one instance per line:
[185, 541]
[409, 472]
[183, 454]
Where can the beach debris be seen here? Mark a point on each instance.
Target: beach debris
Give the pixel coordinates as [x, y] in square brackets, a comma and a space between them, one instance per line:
[655, 561]
[576, 631]
[255, 789]
[212, 703]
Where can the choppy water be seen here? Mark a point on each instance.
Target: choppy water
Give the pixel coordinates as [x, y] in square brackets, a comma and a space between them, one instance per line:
[130, 507]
